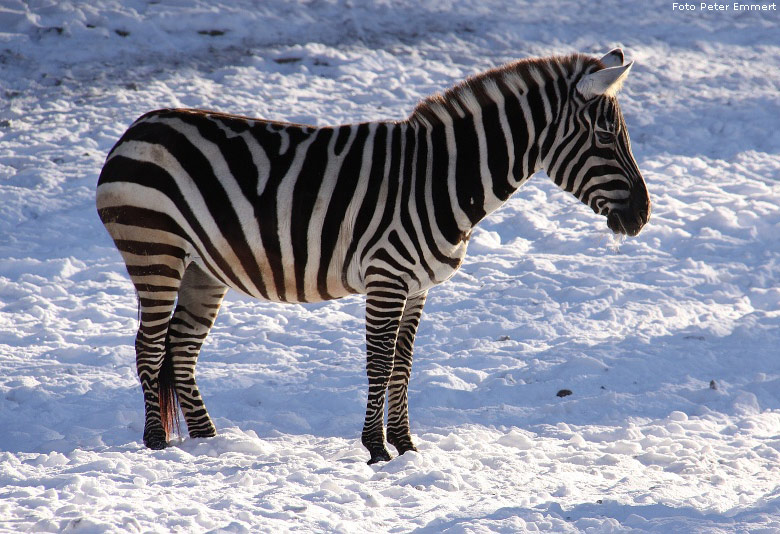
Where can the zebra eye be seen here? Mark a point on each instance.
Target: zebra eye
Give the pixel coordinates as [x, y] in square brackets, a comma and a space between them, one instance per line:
[604, 137]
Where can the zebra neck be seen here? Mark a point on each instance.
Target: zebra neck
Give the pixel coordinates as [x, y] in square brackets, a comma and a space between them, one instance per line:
[481, 144]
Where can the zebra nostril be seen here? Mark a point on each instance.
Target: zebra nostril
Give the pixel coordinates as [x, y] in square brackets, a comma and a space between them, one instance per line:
[641, 206]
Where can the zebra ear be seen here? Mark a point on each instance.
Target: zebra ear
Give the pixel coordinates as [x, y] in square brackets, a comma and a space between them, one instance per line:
[605, 82]
[613, 58]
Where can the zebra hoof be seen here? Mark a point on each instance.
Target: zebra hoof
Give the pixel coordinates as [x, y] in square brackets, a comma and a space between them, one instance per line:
[379, 456]
[402, 445]
[402, 449]
[155, 444]
[155, 439]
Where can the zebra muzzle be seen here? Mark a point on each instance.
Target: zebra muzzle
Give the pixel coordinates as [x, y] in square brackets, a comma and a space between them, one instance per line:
[627, 222]
[632, 218]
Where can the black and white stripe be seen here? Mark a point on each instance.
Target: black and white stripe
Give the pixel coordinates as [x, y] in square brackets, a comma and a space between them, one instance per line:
[198, 202]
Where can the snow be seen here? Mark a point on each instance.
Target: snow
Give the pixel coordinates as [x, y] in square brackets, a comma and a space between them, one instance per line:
[667, 341]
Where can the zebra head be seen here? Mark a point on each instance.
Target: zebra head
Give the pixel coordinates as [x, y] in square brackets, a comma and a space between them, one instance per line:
[600, 169]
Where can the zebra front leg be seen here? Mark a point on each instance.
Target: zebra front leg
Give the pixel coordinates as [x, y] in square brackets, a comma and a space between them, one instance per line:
[384, 309]
[200, 297]
[398, 433]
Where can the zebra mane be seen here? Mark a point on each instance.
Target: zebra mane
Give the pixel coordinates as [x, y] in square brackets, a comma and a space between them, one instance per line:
[515, 75]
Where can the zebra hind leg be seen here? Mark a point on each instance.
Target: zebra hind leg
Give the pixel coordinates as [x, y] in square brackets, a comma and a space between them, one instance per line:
[199, 299]
[398, 433]
[156, 275]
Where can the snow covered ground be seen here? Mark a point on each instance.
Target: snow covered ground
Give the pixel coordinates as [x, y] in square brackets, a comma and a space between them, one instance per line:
[669, 342]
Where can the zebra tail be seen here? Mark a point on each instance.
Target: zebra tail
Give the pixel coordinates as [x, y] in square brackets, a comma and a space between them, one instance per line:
[169, 399]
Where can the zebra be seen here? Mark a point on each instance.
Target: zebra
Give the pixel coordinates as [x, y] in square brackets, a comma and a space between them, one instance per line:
[198, 201]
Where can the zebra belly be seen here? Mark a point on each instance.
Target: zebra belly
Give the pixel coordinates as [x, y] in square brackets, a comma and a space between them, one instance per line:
[286, 282]
[293, 297]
